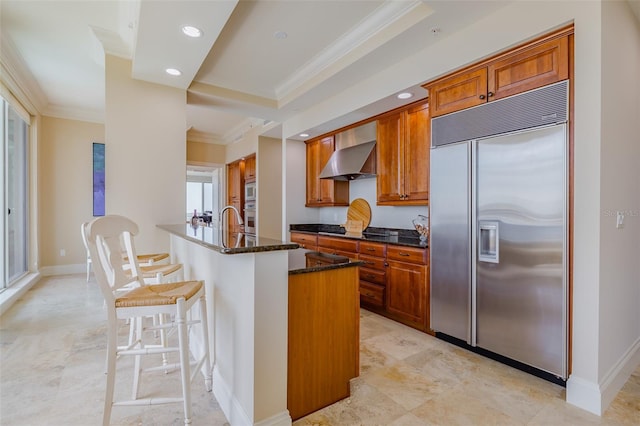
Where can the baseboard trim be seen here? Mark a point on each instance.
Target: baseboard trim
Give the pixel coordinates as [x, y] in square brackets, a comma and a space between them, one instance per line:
[229, 404]
[595, 397]
[9, 296]
[233, 410]
[584, 394]
[77, 268]
[615, 379]
[280, 419]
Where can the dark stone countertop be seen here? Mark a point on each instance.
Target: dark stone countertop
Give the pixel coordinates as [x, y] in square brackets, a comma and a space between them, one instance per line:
[225, 242]
[303, 261]
[404, 237]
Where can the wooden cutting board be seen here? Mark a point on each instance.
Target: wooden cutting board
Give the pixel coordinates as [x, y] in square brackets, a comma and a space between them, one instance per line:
[359, 210]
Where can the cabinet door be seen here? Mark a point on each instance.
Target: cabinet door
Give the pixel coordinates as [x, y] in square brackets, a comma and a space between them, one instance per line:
[323, 192]
[537, 66]
[416, 155]
[407, 292]
[233, 182]
[458, 92]
[389, 156]
[250, 169]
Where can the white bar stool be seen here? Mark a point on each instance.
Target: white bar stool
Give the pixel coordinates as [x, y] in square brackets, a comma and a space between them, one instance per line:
[104, 236]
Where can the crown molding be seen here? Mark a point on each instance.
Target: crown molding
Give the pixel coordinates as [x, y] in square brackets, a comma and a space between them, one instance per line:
[70, 113]
[19, 79]
[238, 131]
[203, 137]
[374, 25]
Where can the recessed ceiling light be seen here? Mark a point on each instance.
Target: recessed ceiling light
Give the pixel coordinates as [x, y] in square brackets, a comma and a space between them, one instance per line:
[405, 95]
[280, 35]
[192, 31]
[304, 135]
[173, 71]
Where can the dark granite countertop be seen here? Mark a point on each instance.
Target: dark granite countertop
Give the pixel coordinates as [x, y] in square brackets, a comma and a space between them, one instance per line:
[303, 261]
[225, 242]
[400, 237]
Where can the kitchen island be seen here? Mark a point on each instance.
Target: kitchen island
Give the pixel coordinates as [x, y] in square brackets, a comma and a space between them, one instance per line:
[246, 288]
[324, 330]
[283, 322]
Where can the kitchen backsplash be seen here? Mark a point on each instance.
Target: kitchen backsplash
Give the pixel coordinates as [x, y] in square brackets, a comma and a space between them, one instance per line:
[381, 216]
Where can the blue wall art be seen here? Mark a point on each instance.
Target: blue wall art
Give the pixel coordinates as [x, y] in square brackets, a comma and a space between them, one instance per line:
[98, 179]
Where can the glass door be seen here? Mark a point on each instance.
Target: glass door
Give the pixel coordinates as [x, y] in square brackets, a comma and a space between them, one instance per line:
[14, 204]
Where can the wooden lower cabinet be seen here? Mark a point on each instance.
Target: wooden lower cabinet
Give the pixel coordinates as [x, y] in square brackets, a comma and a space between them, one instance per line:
[407, 289]
[407, 295]
[373, 274]
[338, 246]
[306, 241]
[324, 338]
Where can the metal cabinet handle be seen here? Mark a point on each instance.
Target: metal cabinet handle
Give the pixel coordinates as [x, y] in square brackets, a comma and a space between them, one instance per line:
[490, 94]
[404, 254]
[370, 249]
[482, 96]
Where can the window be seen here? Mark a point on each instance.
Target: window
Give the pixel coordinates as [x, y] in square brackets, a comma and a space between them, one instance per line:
[13, 180]
[203, 192]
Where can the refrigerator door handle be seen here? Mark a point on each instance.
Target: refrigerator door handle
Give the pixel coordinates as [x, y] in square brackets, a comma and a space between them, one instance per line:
[489, 241]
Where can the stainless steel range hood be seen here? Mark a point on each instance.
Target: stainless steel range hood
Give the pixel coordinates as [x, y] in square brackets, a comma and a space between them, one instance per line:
[355, 154]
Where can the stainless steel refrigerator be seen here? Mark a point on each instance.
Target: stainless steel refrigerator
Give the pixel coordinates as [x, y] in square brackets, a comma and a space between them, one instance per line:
[498, 238]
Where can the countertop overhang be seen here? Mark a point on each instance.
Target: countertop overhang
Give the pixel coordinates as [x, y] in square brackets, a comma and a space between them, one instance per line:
[226, 242]
[303, 261]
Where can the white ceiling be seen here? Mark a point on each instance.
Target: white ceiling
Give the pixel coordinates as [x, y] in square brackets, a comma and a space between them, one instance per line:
[239, 73]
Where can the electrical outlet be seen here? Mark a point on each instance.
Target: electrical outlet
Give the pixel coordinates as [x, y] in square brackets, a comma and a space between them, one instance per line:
[63, 252]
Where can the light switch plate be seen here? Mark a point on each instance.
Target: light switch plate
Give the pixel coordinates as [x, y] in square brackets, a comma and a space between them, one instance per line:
[619, 220]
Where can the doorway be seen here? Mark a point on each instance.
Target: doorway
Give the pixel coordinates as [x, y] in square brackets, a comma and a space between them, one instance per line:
[204, 192]
[14, 205]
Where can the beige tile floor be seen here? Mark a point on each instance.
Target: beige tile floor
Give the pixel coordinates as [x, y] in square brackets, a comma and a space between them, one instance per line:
[52, 362]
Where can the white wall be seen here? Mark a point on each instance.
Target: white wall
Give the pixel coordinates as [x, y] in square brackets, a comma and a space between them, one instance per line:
[381, 216]
[145, 132]
[508, 26]
[620, 183]
[296, 189]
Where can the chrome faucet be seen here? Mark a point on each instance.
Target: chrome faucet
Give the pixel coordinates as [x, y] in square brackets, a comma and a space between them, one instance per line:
[240, 221]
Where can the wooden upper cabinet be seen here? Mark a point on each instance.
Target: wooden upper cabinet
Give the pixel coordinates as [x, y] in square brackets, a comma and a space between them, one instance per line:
[390, 137]
[416, 154]
[403, 156]
[458, 92]
[235, 181]
[323, 192]
[525, 68]
[535, 67]
[235, 194]
[250, 169]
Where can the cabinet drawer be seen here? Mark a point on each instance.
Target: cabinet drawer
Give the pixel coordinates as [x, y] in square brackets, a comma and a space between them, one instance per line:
[308, 241]
[372, 276]
[407, 254]
[373, 249]
[371, 294]
[372, 262]
[343, 244]
[328, 250]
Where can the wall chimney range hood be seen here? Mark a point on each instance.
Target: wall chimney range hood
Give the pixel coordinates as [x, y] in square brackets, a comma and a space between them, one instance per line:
[355, 154]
